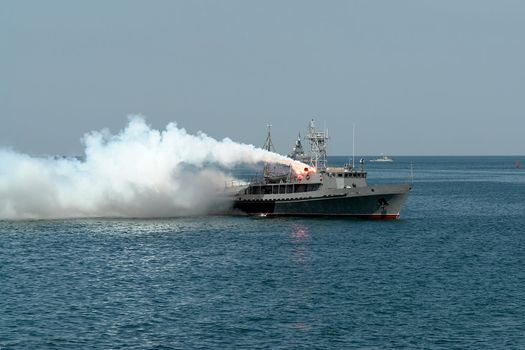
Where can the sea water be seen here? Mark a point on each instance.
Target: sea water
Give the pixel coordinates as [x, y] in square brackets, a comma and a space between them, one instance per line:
[449, 274]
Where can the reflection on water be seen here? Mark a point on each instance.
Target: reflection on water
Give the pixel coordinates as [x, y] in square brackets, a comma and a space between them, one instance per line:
[300, 239]
[299, 232]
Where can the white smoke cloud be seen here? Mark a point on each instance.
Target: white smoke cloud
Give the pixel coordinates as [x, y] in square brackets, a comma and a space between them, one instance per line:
[138, 172]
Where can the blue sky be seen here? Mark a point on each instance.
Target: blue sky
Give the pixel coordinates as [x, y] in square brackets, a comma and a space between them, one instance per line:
[417, 77]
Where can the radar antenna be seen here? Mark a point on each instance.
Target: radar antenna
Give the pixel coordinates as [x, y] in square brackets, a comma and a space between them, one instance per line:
[318, 141]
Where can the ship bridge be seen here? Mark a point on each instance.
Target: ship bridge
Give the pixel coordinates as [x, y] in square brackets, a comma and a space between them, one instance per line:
[344, 172]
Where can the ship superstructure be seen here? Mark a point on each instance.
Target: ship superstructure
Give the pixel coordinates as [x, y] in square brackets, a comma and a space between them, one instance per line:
[318, 189]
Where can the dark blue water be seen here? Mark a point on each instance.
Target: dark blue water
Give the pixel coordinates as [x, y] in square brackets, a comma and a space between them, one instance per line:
[449, 274]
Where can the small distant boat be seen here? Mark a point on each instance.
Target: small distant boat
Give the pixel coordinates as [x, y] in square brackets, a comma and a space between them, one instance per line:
[383, 159]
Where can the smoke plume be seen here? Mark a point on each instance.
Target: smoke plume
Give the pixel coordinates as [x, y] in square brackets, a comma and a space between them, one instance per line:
[138, 172]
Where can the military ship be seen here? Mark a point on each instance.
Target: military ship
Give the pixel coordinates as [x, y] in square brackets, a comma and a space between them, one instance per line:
[316, 189]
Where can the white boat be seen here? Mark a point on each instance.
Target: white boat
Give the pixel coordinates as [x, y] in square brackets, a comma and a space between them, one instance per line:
[383, 159]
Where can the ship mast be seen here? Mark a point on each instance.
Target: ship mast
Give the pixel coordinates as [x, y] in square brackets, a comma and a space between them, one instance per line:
[318, 141]
[353, 146]
[268, 144]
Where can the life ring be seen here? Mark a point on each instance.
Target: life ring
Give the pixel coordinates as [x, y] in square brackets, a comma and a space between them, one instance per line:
[308, 177]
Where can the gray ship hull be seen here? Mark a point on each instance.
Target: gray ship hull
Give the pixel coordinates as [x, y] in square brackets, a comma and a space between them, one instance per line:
[370, 202]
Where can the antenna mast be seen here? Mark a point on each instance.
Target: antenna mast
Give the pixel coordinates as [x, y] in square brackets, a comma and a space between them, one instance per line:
[318, 142]
[268, 144]
[353, 146]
